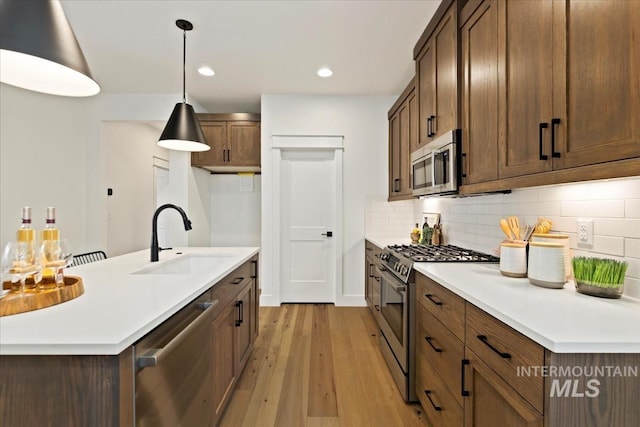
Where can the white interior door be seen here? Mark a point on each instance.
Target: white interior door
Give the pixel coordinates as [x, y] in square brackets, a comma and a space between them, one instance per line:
[308, 192]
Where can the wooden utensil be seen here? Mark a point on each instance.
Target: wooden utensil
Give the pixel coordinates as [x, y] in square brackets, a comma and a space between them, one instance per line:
[504, 225]
[514, 226]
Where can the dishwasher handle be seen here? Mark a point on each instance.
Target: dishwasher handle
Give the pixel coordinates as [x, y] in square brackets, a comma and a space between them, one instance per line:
[154, 356]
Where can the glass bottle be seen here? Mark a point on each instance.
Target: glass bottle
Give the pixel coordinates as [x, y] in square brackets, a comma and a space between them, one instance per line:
[51, 258]
[26, 251]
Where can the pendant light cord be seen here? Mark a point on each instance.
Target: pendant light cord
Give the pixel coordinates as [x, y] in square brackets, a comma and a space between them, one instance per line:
[184, 66]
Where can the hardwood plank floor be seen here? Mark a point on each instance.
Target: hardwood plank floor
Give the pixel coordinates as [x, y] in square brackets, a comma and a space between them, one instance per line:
[318, 365]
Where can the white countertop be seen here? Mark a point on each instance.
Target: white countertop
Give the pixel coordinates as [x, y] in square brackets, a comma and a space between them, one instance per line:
[562, 320]
[117, 307]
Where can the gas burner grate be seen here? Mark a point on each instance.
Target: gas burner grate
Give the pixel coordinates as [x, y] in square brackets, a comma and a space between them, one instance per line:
[442, 253]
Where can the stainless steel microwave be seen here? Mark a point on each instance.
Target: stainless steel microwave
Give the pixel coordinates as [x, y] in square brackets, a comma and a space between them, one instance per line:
[435, 166]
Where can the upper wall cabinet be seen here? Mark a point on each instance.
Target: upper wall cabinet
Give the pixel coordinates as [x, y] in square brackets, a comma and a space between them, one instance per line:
[436, 55]
[403, 138]
[550, 92]
[234, 140]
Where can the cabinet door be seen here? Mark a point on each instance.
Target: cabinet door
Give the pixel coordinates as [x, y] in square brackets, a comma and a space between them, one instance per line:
[446, 86]
[525, 64]
[412, 104]
[243, 143]
[480, 95]
[394, 155]
[245, 311]
[596, 87]
[491, 401]
[216, 134]
[426, 86]
[368, 277]
[224, 356]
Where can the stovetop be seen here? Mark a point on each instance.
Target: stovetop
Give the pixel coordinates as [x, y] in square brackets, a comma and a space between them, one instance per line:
[441, 253]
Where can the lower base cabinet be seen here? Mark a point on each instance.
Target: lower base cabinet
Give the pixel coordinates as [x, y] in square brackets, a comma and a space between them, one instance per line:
[500, 383]
[224, 354]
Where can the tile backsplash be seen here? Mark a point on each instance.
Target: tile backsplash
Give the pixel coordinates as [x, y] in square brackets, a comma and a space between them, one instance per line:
[472, 222]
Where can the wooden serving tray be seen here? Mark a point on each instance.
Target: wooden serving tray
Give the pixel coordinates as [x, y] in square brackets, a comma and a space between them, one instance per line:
[20, 302]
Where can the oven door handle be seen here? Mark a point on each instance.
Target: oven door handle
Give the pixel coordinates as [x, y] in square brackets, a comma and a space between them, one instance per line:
[398, 288]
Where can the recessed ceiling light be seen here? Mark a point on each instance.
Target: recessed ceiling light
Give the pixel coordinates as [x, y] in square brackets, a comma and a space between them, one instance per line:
[206, 71]
[325, 72]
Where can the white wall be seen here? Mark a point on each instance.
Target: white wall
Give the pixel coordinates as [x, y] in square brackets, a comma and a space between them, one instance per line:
[235, 210]
[362, 120]
[52, 154]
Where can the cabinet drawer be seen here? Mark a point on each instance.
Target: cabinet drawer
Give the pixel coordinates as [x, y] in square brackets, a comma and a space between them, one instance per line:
[443, 351]
[439, 404]
[371, 250]
[446, 306]
[505, 350]
[228, 288]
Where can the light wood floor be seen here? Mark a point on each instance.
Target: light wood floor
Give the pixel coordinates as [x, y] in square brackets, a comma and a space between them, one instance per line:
[318, 365]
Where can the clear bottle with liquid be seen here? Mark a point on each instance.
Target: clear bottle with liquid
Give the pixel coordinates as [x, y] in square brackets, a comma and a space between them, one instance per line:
[51, 253]
[26, 251]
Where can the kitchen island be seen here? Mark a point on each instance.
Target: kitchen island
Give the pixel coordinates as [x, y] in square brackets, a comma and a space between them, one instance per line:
[74, 363]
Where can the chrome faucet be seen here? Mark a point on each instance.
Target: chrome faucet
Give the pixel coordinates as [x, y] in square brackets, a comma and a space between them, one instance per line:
[155, 248]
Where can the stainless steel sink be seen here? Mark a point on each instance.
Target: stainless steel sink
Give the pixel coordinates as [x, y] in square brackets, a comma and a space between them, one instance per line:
[187, 264]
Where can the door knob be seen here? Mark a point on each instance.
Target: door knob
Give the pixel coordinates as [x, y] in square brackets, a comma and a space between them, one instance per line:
[328, 234]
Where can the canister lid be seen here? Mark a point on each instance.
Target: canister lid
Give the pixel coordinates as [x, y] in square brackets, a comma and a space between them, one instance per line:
[547, 244]
[551, 235]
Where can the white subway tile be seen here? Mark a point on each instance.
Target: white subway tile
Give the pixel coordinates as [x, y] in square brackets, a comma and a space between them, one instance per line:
[594, 209]
[632, 248]
[574, 191]
[614, 189]
[608, 245]
[544, 208]
[632, 287]
[523, 195]
[617, 227]
[632, 208]
[634, 268]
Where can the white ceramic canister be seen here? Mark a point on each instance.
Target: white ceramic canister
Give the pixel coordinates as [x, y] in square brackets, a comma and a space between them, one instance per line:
[513, 259]
[546, 264]
[557, 238]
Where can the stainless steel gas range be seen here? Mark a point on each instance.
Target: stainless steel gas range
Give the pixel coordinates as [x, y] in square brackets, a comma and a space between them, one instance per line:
[397, 303]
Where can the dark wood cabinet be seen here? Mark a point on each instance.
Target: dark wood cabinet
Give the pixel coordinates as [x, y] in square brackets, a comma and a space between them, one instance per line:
[234, 140]
[403, 136]
[372, 280]
[436, 56]
[225, 373]
[550, 87]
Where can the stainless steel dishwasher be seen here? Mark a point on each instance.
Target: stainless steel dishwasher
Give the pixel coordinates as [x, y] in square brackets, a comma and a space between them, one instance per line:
[173, 381]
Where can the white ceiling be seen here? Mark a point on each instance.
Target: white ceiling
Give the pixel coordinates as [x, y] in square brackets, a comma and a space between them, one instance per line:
[255, 47]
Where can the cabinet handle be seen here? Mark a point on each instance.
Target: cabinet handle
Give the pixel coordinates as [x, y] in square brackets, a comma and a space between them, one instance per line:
[464, 392]
[239, 320]
[237, 281]
[228, 155]
[429, 127]
[463, 161]
[396, 185]
[554, 122]
[371, 270]
[485, 340]
[540, 131]
[224, 155]
[241, 312]
[377, 279]
[254, 274]
[430, 296]
[433, 125]
[377, 307]
[429, 339]
[428, 393]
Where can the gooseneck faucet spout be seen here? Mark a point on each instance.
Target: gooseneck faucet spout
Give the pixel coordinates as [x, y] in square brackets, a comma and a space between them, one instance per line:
[155, 248]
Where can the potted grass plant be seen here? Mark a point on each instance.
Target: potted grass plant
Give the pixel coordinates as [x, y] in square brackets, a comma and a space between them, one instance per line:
[599, 277]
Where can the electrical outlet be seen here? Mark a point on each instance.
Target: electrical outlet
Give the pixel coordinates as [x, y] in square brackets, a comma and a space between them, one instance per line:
[585, 232]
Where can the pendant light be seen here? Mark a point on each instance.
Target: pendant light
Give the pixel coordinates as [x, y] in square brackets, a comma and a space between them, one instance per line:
[183, 132]
[40, 52]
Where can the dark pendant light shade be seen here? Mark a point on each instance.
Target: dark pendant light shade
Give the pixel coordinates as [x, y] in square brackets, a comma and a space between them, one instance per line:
[40, 52]
[183, 132]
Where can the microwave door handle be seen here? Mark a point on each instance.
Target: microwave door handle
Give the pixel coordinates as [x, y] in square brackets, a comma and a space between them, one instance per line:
[433, 169]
